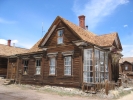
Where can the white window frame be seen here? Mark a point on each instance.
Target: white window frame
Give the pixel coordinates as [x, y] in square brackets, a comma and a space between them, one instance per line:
[60, 36]
[68, 65]
[25, 64]
[38, 67]
[52, 66]
[88, 66]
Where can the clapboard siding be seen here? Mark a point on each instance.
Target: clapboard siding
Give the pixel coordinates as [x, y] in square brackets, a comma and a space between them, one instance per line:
[12, 66]
[68, 36]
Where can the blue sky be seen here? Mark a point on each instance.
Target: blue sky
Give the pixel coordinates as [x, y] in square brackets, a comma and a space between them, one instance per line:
[21, 20]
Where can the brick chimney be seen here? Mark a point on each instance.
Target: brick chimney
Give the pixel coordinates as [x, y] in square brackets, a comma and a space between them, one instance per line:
[9, 42]
[82, 21]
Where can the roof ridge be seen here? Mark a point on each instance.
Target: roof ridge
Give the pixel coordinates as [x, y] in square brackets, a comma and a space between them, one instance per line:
[14, 47]
[77, 26]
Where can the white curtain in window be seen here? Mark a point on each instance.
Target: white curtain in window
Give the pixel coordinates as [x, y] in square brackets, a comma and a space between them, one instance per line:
[38, 66]
[67, 64]
[52, 66]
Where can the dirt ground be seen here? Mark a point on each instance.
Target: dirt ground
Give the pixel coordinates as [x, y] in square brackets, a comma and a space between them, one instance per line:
[14, 92]
[127, 97]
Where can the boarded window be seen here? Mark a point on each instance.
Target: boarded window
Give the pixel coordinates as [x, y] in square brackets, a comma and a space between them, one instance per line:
[67, 65]
[52, 66]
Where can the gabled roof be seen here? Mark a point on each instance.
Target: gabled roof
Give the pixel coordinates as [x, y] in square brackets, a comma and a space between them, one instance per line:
[6, 50]
[35, 48]
[101, 41]
[105, 39]
[128, 59]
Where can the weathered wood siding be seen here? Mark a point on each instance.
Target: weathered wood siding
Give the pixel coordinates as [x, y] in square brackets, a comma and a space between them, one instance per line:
[129, 67]
[68, 36]
[12, 65]
[59, 78]
[30, 77]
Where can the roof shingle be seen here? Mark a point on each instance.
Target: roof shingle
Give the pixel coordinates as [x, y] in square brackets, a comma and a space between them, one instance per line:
[6, 50]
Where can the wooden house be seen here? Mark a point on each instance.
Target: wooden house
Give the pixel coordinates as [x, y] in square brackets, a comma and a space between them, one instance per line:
[70, 55]
[126, 66]
[8, 60]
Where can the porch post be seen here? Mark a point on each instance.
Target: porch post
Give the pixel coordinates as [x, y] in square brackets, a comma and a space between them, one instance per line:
[7, 67]
[81, 64]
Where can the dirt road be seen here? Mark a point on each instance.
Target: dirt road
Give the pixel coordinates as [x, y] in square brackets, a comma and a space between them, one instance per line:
[14, 92]
[127, 97]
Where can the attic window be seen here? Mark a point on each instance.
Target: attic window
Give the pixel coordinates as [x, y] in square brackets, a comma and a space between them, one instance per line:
[60, 36]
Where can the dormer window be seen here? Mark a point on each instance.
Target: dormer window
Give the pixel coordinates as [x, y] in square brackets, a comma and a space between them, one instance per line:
[60, 37]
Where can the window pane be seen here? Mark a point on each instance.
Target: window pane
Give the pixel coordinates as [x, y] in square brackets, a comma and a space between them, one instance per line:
[38, 66]
[106, 62]
[52, 66]
[60, 33]
[25, 69]
[38, 70]
[60, 36]
[60, 40]
[88, 68]
[102, 76]
[67, 65]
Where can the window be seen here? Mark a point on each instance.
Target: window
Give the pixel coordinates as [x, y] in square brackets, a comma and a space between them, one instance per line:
[25, 70]
[87, 68]
[97, 68]
[100, 71]
[67, 65]
[52, 66]
[60, 37]
[106, 66]
[126, 67]
[102, 66]
[38, 66]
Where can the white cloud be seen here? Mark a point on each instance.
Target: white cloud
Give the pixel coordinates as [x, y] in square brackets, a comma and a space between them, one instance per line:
[6, 21]
[127, 50]
[3, 41]
[125, 25]
[14, 41]
[96, 10]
